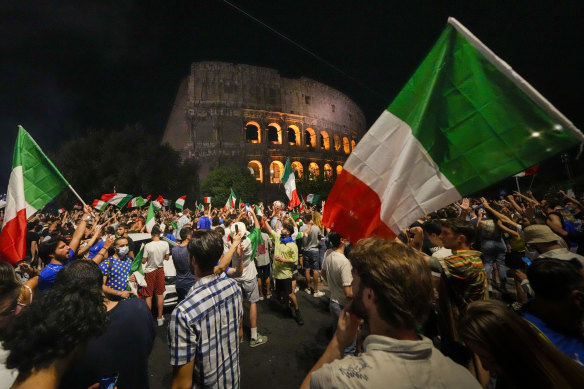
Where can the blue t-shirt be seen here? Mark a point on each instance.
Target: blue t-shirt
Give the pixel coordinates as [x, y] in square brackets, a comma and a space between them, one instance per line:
[572, 346]
[49, 272]
[204, 223]
[95, 249]
[170, 237]
[119, 272]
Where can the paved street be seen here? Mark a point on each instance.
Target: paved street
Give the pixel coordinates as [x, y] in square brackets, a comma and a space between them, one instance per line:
[282, 362]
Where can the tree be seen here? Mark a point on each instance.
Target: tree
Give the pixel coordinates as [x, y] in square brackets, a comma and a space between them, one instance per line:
[131, 160]
[221, 180]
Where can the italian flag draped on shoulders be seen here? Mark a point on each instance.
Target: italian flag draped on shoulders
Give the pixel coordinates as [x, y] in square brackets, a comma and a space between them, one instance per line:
[34, 182]
[464, 121]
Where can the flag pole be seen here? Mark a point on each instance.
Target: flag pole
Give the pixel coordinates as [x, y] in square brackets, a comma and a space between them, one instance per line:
[77, 195]
[532, 179]
[517, 182]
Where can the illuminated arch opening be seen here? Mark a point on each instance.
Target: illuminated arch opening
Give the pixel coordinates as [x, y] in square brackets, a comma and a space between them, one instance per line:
[328, 172]
[325, 140]
[337, 142]
[274, 133]
[293, 135]
[255, 168]
[353, 144]
[298, 169]
[346, 145]
[339, 170]
[310, 138]
[313, 170]
[276, 170]
[253, 133]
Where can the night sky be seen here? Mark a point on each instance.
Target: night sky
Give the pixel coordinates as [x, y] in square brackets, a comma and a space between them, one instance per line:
[86, 64]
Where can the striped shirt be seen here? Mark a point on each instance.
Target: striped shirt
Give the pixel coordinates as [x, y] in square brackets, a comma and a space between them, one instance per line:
[204, 327]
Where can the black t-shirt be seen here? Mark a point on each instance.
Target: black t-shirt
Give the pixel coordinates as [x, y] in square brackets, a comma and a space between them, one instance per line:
[30, 237]
[124, 348]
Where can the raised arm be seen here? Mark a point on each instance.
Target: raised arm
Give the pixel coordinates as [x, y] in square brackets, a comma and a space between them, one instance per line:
[226, 258]
[78, 234]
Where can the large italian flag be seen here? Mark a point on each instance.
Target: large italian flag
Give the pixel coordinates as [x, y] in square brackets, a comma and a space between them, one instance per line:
[289, 181]
[464, 121]
[34, 181]
[151, 217]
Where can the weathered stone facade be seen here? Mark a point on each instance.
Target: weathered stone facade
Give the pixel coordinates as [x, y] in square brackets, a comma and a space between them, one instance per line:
[251, 116]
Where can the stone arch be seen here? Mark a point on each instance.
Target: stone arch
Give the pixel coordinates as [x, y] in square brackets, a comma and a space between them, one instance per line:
[253, 133]
[325, 140]
[339, 170]
[276, 170]
[256, 167]
[346, 145]
[353, 144]
[274, 133]
[298, 169]
[314, 171]
[337, 142]
[328, 171]
[310, 138]
[293, 135]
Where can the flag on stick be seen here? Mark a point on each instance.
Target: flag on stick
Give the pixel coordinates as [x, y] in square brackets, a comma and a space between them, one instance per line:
[158, 202]
[290, 185]
[207, 200]
[312, 198]
[61, 211]
[137, 202]
[231, 200]
[180, 202]
[34, 181]
[120, 200]
[532, 171]
[150, 220]
[99, 205]
[464, 121]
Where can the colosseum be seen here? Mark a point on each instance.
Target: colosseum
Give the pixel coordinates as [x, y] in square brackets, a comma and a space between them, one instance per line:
[251, 116]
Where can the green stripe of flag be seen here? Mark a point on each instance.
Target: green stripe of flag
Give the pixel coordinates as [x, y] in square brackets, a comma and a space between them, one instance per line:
[474, 121]
[42, 180]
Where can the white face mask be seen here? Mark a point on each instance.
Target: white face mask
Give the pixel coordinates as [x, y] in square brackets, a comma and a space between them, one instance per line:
[123, 251]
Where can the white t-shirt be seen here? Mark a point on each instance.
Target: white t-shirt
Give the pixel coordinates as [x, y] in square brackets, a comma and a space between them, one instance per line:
[154, 253]
[338, 274]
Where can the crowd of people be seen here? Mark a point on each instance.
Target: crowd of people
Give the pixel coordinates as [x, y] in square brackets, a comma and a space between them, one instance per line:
[482, 293]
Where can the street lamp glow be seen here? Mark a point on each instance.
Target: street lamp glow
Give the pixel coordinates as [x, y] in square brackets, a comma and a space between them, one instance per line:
[558, 127]
[535, 134]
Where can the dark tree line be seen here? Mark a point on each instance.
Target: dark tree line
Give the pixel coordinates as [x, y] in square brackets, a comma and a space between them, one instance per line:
[131, 160]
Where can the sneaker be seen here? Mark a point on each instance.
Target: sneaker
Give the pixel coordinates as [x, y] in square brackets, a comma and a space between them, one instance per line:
[307, 290]
[261, 297]
[318, 294]
[296, 290]
[299, 318]
[160, 321]
[259, 341]
[268, 296]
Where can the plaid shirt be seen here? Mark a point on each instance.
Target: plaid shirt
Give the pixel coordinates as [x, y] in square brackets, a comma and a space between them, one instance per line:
[204, 327]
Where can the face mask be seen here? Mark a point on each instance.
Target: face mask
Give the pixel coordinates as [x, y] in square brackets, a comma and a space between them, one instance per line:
[123, 250]
[531, 253]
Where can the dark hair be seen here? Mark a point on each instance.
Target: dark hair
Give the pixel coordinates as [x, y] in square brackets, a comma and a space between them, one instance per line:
[307, 217]
[205, 247]
[526, 359]
[185, 232]
[335, 239]
[432, 227]
[553, 279]
[155, 230]
[220, 231]
[460, 227]
[451, 213]
[289, 226]
[48, 248]
[120, 238]
[400, 278]
[215, 221]
[9, 290]
[124, 226]
[52, 327]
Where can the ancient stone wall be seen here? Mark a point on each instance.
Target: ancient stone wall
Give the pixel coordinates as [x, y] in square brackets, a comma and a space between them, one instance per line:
[251, 116]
